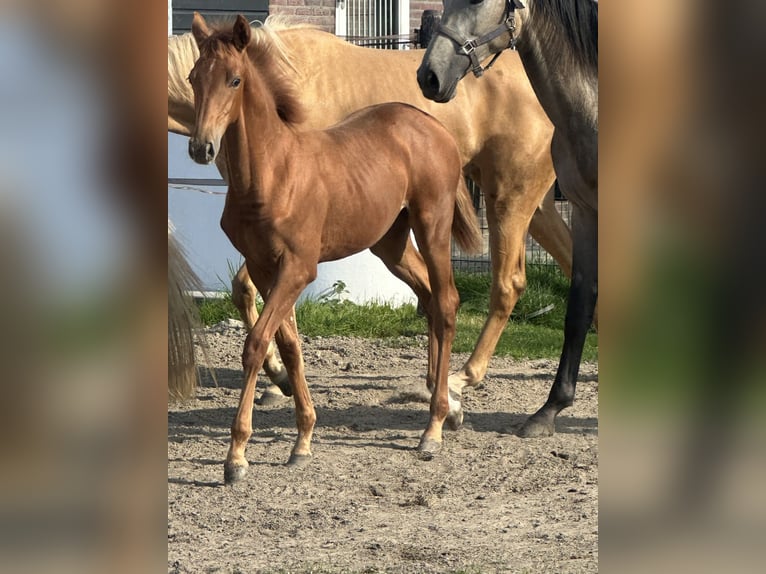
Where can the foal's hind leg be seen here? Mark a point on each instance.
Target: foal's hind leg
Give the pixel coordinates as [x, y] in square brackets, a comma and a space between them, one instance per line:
[305, 415]
[401, 258]
[243, 294]
[432, 225]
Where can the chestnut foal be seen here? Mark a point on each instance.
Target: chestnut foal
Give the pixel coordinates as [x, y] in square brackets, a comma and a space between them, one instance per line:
[297, 198]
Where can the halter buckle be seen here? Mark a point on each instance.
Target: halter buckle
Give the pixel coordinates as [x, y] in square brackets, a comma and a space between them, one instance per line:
[468, 48]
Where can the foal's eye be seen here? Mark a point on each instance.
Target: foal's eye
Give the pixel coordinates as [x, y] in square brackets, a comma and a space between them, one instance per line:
[476, 1]
[235, 83]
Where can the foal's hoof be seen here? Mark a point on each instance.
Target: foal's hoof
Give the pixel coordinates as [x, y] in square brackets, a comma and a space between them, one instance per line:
[298, 460]
[428, 448]
[270, 398]
[536, 427]
[233, 474]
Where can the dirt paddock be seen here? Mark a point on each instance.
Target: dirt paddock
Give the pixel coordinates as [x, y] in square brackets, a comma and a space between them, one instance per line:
[489, 502]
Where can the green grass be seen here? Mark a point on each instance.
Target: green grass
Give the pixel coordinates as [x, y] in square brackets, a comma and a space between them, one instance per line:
[212, 311]
[373, 320]
[524, 336]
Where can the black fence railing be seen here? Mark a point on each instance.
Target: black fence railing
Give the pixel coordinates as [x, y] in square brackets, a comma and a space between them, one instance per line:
[395, 42]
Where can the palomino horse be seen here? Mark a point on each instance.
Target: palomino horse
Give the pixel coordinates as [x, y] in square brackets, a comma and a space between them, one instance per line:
[501, 130]
[297, 198]
[558, 44]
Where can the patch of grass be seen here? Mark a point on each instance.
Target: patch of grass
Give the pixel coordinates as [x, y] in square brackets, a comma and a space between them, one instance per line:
[213, 310]
[373, 320]
[521, 340]
[525, 336]
[545, 286]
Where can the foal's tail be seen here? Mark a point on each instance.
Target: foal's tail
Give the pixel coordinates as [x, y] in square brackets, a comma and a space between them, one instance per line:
[465, 224]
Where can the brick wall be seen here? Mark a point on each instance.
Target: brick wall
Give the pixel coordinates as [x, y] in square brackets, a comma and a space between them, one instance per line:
[320, 13]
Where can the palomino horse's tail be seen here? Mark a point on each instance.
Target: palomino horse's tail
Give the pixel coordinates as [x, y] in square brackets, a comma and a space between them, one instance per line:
[465, 224]
[183, 323]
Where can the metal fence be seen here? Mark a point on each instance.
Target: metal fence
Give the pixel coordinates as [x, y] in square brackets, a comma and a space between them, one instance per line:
[482, 263]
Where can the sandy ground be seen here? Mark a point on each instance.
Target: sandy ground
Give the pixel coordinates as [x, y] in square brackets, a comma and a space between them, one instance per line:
[489, 502]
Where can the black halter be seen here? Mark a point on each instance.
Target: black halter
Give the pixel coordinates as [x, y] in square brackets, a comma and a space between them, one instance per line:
[468, 47]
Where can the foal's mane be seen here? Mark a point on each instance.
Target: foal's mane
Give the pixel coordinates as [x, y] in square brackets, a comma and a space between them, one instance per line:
[266, 50]
[570, 29]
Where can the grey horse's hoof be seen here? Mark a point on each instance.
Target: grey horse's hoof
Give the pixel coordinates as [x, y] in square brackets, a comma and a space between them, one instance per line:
[233, 474]
[428, 448]
[536, 427]
[298, 460]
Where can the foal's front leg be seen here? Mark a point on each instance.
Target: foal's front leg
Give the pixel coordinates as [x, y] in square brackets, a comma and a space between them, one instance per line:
[278, 305]
[243, 295]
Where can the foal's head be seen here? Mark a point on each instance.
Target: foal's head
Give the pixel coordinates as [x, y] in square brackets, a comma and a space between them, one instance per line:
[217, 79]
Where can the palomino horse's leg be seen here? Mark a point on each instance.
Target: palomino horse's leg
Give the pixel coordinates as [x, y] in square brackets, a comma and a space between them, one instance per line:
[243, 294]
[277, 308]
[305, 415]
[509, 210]
[582, 301]
[552, 233]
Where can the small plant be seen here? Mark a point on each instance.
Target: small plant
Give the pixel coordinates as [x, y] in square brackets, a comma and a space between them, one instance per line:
[333, 294]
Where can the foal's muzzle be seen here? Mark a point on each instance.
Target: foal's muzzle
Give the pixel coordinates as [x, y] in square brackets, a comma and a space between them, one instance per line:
[201, 152]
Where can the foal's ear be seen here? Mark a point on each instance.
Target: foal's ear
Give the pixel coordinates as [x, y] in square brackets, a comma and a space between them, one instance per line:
[199, 28]
[241, 33]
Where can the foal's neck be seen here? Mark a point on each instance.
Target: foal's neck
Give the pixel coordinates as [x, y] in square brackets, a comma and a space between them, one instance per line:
[257, 142]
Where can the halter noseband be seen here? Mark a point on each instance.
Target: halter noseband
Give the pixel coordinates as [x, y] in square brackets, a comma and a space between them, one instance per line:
[468, 47]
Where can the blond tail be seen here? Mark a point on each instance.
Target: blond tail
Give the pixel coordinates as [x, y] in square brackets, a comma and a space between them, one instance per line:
[465, 224]
[183, 324]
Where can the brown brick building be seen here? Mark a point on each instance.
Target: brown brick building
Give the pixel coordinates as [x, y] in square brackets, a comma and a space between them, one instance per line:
[343, 17]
